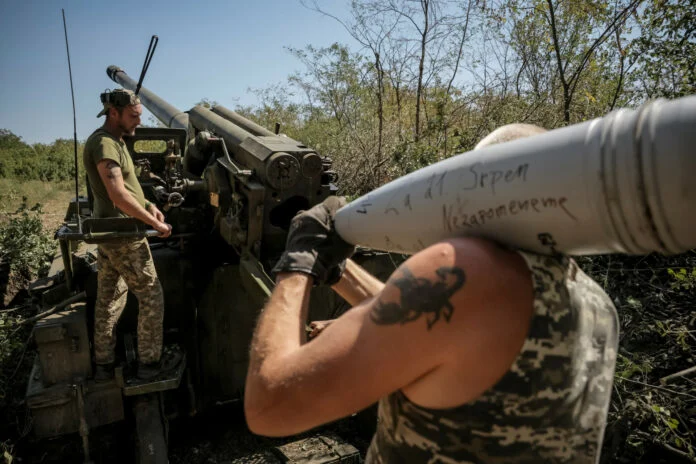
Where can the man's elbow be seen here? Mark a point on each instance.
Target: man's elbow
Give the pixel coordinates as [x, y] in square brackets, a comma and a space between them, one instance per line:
[270, 411]
[257, 425]
[258, 404]
[260, 419]
[252, 411]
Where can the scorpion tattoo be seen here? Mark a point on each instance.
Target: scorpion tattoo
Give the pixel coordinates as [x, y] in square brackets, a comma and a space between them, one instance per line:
[421, 296]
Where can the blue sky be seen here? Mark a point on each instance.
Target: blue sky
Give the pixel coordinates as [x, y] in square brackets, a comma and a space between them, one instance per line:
[215, 50]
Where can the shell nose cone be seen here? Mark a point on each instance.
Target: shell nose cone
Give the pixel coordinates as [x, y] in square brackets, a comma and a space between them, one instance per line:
[342, 223]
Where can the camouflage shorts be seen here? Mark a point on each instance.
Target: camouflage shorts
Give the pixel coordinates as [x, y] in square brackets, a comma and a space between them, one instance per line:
[123, 266]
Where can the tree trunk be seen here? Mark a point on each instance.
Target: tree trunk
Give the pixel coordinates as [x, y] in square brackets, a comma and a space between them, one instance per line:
[380, 116]
[424, 36]
[561, 71]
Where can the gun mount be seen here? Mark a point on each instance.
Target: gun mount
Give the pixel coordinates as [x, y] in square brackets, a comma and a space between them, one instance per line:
[229, 188]
[256, 180]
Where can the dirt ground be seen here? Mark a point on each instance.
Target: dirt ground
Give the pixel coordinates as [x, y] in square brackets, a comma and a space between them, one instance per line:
[53, 198]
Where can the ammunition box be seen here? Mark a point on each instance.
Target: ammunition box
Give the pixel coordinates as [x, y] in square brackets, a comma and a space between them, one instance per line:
[55, 410]
[63, 345]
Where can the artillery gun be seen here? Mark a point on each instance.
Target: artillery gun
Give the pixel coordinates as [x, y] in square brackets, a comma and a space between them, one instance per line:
[229, 188]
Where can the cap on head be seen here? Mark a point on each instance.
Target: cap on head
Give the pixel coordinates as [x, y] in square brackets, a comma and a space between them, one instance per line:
[117, 98]
[509, 133]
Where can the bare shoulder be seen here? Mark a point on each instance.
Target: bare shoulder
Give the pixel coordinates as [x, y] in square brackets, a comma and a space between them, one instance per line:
[456, 280]
[485, 294]
[499, 280]
[484, 262]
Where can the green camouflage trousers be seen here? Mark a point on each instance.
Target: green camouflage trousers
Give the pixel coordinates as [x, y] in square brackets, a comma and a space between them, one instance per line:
[123, 266]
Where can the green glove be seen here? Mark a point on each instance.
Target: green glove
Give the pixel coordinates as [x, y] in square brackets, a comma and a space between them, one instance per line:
[313, 246]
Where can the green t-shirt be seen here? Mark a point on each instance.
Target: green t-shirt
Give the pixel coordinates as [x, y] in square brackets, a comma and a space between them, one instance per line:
[102, 146]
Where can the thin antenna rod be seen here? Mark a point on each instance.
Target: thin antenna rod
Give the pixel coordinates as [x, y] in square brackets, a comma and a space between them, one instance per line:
[148, 58]
[72, 92]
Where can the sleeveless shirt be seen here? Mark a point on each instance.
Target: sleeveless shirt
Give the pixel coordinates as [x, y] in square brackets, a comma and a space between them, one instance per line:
[549, 407]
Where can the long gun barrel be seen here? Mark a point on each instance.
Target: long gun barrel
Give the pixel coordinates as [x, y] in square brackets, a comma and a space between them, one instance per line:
[168, 114]
[204, 119]
[200, 117]
[241, 121]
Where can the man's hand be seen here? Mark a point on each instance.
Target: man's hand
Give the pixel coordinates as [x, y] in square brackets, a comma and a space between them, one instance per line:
[152, 209]
[160, 226]
[164, 229]
[313, 247]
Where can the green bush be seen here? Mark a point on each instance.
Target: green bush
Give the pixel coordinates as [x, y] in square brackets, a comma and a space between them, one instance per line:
[24, 244]
[25, 250]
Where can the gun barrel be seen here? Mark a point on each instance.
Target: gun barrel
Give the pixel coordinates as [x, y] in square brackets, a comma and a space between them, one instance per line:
[168, 114]
[204, 119]
[241, 121]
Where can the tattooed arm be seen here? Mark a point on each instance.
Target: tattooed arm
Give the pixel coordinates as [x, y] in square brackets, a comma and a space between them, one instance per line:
[441, 329]
[111, 176]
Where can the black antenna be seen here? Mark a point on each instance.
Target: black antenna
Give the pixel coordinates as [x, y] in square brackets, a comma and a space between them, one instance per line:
[148, 58]
[72, 92]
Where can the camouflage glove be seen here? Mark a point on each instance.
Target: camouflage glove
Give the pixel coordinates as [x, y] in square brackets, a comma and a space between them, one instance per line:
[313, 246]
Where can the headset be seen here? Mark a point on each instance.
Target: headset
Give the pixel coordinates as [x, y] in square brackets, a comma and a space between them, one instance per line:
[119, 98]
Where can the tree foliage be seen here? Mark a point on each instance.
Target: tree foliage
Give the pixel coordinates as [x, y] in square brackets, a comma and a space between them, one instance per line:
[664, 54]
[431, 78]
[46, 162]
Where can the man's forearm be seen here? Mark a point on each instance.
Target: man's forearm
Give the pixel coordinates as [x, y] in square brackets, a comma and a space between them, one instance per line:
[282, 322]
[125, 202]
[280, 330]
[356, 284]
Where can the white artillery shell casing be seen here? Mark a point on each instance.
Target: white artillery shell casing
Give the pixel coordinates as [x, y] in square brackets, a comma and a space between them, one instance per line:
[579, 190]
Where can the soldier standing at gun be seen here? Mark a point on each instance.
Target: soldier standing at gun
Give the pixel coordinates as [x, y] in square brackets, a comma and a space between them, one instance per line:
[475, 352]
[125, 264]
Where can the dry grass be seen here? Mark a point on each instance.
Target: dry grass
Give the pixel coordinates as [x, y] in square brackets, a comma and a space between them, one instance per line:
[53, 198]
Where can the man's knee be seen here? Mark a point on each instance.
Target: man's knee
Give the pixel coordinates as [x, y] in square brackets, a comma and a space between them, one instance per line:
[146, 279]
[509, 133]
[149, 291]
[111, 297]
